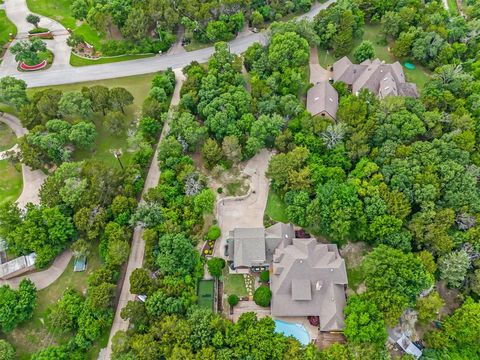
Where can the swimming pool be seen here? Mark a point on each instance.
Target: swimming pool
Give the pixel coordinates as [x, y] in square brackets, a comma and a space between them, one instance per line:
[298, 331]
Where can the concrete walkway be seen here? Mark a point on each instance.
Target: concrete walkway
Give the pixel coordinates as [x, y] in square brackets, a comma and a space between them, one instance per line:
[138, 245]
[17, 11]
[245, 211]
[45, 278]
[32, 179]
[67, 75]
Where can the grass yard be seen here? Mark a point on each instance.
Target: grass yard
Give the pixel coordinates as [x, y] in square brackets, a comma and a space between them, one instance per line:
[205, 294]
[10, 182]
[7, 137]
[78, 61]
[139, 86]
[33, 335]
[275, 208]
[6, 27]
[196, 45]
[452, 7]
[60, 11]
[234, 284]
[373, 33]
[7, 109]
[355, 277]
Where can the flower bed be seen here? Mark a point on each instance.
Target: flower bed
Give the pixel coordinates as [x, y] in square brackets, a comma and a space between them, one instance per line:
[208, 248]
[44, 35]
[40, 66]
[314, 320]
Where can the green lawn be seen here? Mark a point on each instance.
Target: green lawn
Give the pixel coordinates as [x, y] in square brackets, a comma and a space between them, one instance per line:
[355, 277]
[197, 45]
[139, 86]
[10, 182]
[234, 284]
[7, 137]
[8, 109]
[60, 11]
[205, 294]
[373, 33]
[33, 335]
[6, 27]
[78, 61]
[276, 207]
[452, 7]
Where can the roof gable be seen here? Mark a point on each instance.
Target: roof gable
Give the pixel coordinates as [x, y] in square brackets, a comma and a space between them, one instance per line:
[322, 97]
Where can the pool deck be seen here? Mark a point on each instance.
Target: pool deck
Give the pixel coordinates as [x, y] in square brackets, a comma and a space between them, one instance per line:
[312, 330]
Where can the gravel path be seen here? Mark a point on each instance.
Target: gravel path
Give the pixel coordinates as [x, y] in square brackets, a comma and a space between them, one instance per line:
[138, 245]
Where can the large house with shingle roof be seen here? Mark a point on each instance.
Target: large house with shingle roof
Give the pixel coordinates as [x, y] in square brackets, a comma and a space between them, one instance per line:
[380, 78]
[307, 278]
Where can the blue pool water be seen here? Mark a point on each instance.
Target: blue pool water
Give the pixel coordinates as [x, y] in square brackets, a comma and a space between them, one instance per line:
[296, 330]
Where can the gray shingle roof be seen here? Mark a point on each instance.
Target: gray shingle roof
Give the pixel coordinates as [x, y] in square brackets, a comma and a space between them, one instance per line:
[322, 97]
[308, 278]
[249, 247]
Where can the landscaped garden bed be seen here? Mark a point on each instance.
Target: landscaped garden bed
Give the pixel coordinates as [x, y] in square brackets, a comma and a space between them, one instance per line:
[43, 35]
[46, 58]
[40, 66]
[212, 235]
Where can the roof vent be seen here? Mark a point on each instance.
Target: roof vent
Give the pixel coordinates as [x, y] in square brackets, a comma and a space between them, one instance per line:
[385, 78]
[318, 285]
[387, 87]
[333, 299]
[331, 100]
[331, 270]
[316, 99]
[301, 261]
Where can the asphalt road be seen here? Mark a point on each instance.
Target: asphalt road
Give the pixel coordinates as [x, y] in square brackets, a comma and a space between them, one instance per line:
[65, 74]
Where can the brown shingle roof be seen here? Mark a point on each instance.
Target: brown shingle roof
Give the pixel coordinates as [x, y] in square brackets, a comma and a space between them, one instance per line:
[370, 74]
[322, 98]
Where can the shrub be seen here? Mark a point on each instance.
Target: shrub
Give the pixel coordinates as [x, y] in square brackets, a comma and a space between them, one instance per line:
[38, 30]
[364, 51]
[7, 352]
[265, 276]
[262, 296]
[233, 300]
[215, 266]
[213, 233]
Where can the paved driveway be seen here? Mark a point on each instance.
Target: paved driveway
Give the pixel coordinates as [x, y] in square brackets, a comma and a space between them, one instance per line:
[32, 179]
[245, 211]
[45, 278]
